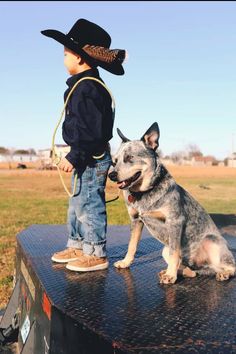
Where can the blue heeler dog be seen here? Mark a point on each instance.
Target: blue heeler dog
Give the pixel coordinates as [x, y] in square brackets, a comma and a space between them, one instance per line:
[192, 243]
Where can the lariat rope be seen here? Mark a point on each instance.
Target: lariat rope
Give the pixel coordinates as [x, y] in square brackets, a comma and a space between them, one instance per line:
[54, 156]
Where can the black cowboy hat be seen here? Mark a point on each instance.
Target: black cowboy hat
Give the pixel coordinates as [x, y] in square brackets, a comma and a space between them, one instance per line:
[92, 43]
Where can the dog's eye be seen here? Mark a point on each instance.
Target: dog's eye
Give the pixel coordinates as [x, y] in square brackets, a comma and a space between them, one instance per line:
[128, 158]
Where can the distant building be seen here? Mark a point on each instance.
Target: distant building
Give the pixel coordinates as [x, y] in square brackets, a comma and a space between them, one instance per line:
[194, 161]
[167, 161]
[3, 158]
[18, 157]
[231, 160]
[44, 155]
[202, 160]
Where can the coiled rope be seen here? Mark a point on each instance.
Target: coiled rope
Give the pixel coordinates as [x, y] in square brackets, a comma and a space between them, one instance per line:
[54, 156]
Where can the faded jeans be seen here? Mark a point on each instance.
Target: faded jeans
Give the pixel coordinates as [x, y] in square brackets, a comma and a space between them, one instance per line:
[87, 217]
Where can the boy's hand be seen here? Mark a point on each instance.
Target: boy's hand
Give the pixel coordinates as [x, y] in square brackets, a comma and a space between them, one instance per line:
[65, 165]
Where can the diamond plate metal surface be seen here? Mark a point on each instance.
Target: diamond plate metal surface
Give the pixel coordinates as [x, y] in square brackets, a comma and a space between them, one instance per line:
[129, 308]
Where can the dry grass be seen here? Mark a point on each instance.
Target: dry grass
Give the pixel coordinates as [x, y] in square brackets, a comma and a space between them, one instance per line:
[205, 172]
[33, 197]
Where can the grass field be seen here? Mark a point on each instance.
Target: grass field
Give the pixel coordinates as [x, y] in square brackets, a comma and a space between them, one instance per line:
[36, 197]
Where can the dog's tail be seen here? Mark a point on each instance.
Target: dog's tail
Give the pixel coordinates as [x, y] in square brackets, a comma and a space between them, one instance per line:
[212, 270]
[206, 270]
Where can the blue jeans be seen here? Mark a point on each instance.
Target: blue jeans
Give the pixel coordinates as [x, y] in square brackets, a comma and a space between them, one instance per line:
[87, 217]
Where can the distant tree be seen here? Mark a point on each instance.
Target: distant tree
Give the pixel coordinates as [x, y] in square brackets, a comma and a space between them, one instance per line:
[7, 153]
[177, 156]
[3, 150]
[193, 151]
[32, 151]
[21, 152]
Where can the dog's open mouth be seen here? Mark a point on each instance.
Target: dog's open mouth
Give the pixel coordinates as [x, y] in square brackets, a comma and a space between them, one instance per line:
[127, 182]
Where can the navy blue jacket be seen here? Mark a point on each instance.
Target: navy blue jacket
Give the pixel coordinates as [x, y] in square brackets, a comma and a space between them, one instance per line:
[89, 120]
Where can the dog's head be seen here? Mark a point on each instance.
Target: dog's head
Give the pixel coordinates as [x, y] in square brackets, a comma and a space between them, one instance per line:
[135, 163]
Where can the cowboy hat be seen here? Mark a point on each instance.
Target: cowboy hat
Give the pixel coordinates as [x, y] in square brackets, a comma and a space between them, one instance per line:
[91, 42]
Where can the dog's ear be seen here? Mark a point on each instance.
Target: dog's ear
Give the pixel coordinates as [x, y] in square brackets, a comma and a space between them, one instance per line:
[124, 139]
[151, 137]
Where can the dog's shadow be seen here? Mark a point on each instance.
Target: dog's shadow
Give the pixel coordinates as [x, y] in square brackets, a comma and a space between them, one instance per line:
[149, 249]
[145, 280]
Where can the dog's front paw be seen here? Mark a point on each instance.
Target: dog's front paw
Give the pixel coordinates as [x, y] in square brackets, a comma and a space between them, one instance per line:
[122, 264]
[166, 278]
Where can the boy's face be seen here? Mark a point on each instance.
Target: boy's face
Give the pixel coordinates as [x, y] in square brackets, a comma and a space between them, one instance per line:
[71, 61]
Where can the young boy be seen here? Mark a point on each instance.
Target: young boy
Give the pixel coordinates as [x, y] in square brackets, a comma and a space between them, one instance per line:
[87, 129]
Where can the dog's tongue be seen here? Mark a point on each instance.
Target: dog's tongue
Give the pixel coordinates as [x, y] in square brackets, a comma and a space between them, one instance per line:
[121, 184]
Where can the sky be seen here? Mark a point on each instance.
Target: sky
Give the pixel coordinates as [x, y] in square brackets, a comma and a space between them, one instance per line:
[180, 71]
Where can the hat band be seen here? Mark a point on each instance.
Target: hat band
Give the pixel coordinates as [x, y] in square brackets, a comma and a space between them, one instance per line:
[73, 40]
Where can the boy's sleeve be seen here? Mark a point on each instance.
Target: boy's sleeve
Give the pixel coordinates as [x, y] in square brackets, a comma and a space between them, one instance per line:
[76, 158]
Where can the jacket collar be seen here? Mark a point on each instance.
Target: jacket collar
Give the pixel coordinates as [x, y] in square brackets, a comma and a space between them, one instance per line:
[74, 78]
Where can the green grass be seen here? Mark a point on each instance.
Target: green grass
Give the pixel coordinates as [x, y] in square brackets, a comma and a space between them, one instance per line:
[216, 195]
[6, 281]
[39, 199]
[117, 213]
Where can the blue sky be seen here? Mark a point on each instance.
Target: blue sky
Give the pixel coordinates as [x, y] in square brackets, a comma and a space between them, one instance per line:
[180, 72]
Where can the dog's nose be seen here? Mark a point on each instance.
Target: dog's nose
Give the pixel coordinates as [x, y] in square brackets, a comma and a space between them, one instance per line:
[113, 176]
